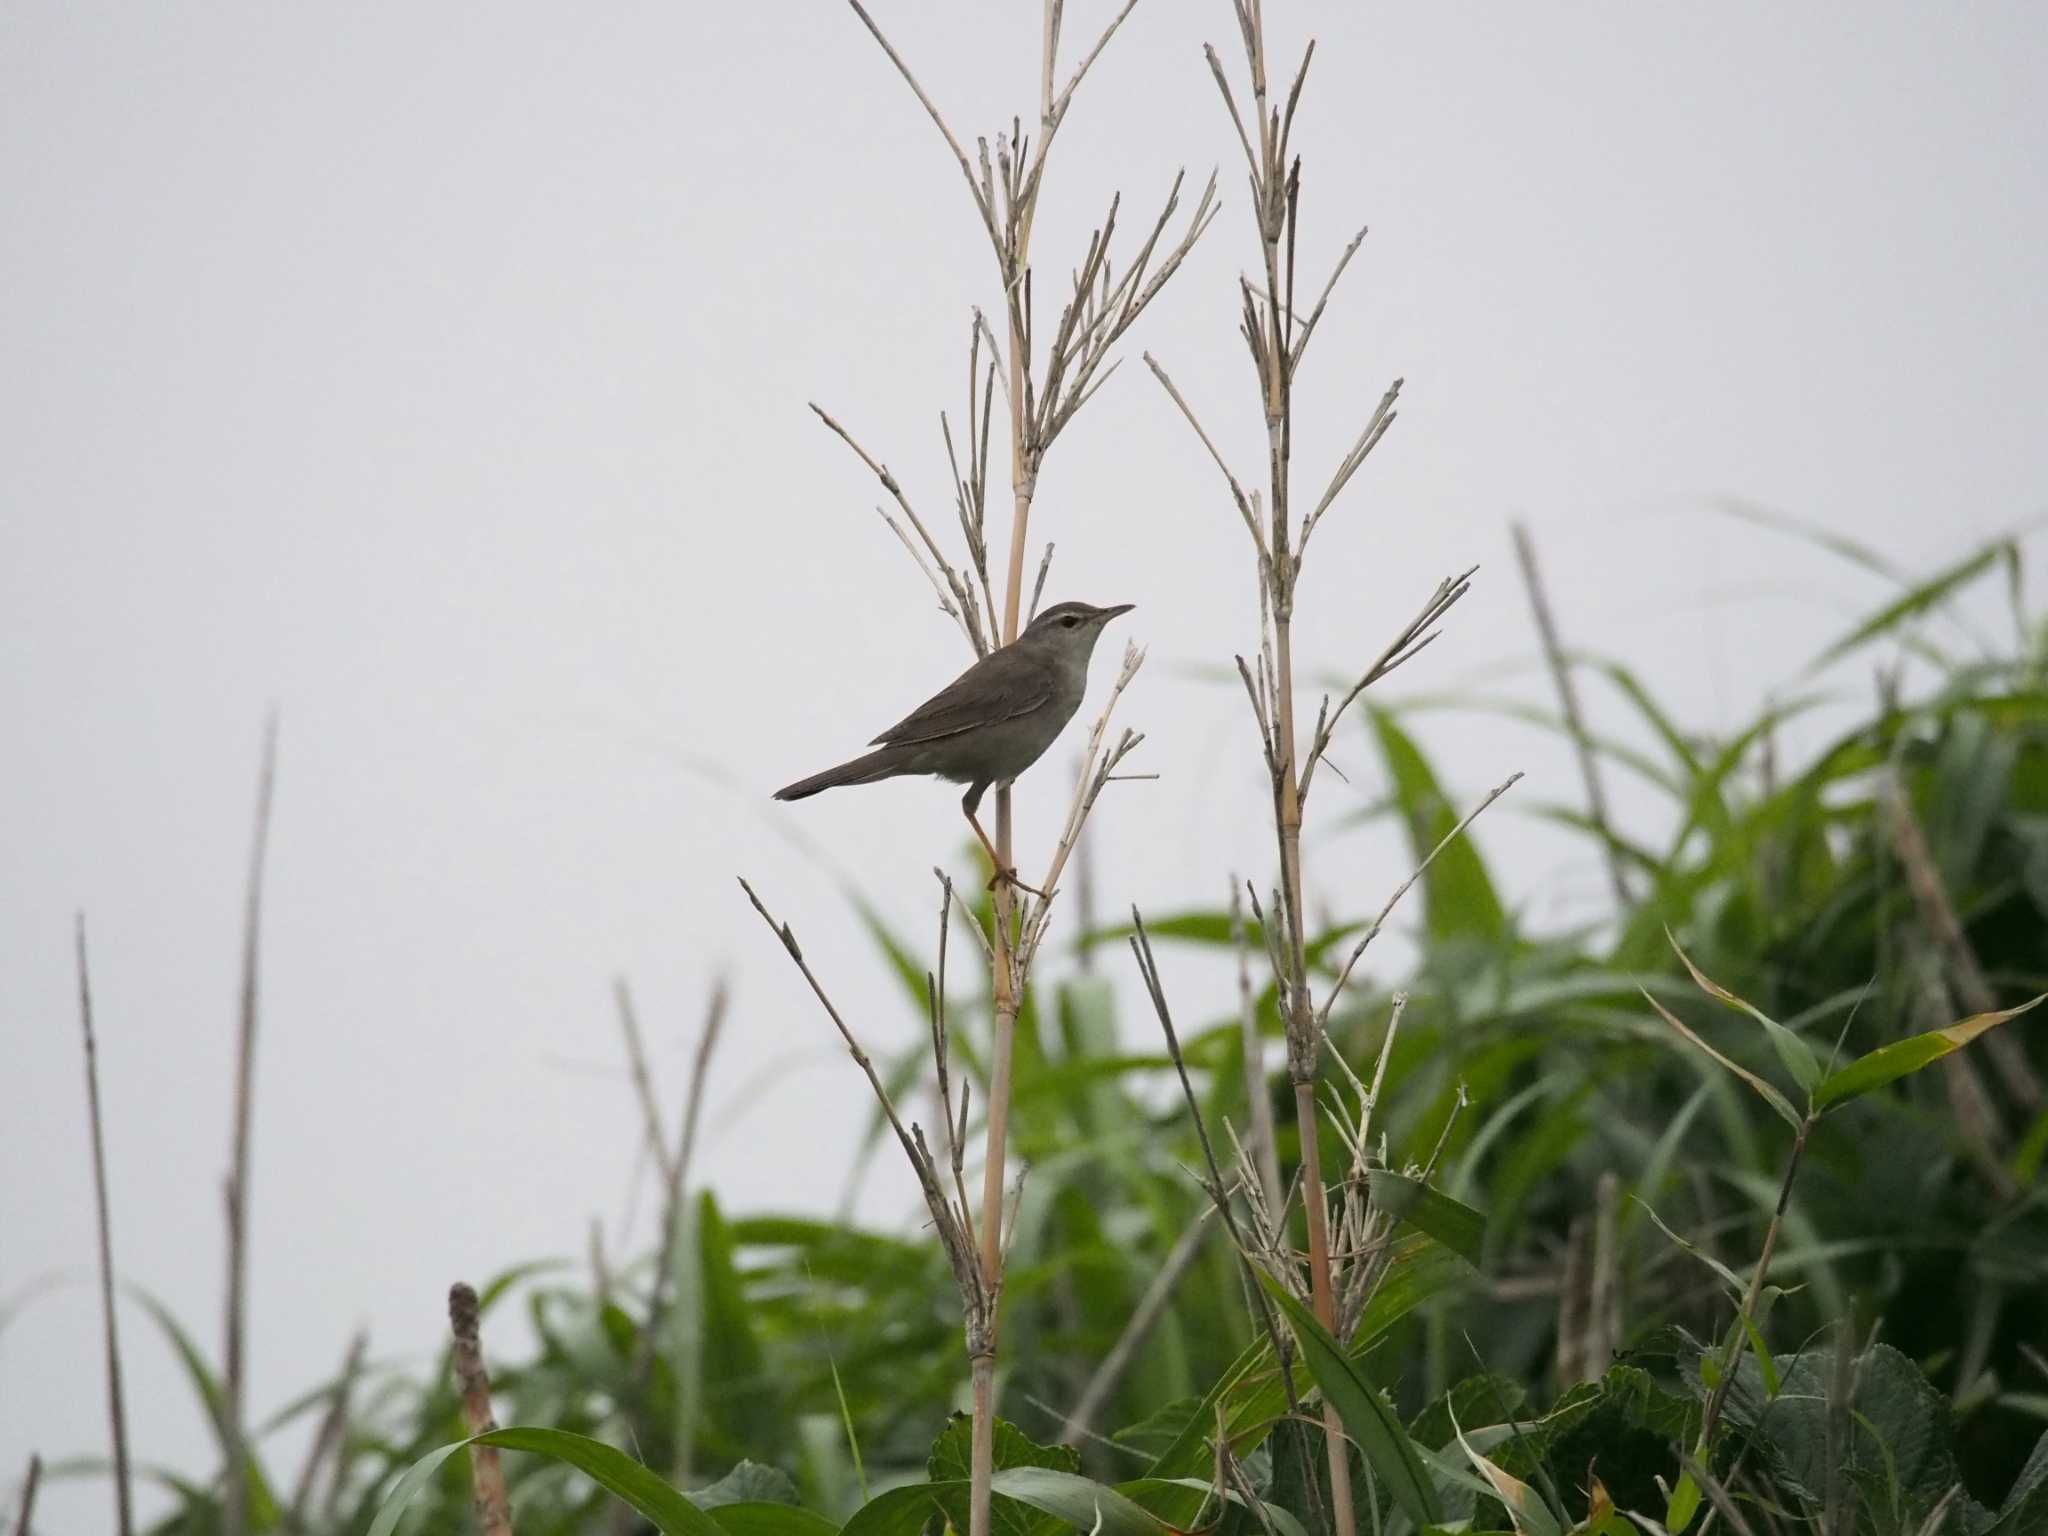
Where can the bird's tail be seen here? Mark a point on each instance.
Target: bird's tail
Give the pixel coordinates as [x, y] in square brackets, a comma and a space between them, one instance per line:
[882, 763]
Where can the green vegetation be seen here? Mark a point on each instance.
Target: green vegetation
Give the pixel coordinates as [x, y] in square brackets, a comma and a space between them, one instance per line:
[1567, 1327]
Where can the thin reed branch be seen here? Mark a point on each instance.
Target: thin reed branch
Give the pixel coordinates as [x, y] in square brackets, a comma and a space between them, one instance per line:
[328, 1438]
[117, 1412]
[1372, 929]
[643, 1081]
[29, 1486]
[1151, 1307]
[1574, 718]
[235, 1502]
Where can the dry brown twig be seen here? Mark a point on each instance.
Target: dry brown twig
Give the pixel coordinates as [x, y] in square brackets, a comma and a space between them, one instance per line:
[329, 1437]
[117, 1413]
[676, 1173]
[486, 1471]
[29, 1485]
[235, 1499]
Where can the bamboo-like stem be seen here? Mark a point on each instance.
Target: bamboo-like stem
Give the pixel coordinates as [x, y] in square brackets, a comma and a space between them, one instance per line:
[235, 1500]
[117, 1412]
[486, 1471]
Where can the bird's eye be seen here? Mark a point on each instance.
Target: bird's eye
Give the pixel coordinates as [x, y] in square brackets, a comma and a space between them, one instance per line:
[1070, 621]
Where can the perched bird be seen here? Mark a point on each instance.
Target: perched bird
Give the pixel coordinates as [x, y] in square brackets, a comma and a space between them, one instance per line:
[992, 721]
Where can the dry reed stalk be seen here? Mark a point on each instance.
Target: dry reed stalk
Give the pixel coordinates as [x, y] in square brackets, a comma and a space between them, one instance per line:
[235, 1500]
[675, 1170]
[486, 1471]
[1151, 1306]
[1938, 915]
[643, 1079]
[29, 1485]
[1574, 719]
[1005, 185]
[116, 1409]
[327, 1440]
[1277, 337]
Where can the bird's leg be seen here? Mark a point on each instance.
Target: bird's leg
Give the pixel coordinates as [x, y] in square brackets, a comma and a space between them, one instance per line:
[1004, 874]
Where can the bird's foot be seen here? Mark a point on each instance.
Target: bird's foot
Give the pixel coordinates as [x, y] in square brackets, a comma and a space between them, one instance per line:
[1009, 877]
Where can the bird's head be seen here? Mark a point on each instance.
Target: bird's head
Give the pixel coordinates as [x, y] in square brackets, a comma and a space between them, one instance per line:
[1071, 629]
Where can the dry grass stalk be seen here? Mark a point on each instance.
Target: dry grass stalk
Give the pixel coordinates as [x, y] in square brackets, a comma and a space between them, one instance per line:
[29, 1485]
[486, 1471]
[1277, 338]
[1938, 915]
[328, 1438]
[1265, 1145]
[1151, 1306]
[643, 1079]
[116, 1410]
[1046, 377]
[235, 1501]
[675, 1169]
[1574, 719]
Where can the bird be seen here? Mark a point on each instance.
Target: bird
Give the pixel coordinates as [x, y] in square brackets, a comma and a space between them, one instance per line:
[991, 722]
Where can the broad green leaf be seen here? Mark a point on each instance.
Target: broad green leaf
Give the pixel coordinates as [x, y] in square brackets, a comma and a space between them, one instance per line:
[1250, 1392]
[1080, 1501]
[1888, 1063]
[1683, 1504]
[1794, 1052]
[770, 1519]
[1178, 1500]
[1451, 1222]
[614, 1470]
[1367, 1418]
[1770, 1095]
[951, 1461]
[1457, 895]
[747, 1483]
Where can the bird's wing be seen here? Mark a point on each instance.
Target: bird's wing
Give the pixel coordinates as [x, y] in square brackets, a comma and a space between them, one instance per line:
[1001, 686]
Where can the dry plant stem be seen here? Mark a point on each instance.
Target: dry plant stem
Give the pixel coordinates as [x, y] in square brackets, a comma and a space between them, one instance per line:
[117, 1412]
[1568, 703]
[1739, 1336]
[643, 1080]
[486, 1472]
[235, 1500]
[328, 1438]
[1938, 916]
[1265, 1145]
[1215, 1186]
[29, 1485]
[677, 1168]
[1151, 1306]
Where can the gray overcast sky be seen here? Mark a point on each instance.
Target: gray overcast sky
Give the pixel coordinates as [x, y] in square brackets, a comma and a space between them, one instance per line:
[438, 372]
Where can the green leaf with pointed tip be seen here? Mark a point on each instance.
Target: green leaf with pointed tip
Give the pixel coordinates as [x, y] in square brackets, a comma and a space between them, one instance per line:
[1451, 1222]
[1367, 1418]
[1525, 1507]
[1458, 897]
[614, 1470]
[1765, 1091]
[1888, 1063]
[1794, 1052]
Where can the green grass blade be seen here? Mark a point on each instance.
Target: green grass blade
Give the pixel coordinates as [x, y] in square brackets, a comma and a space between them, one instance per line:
[1367, 1418]
[612, 1469]
[1451, 1222]
[1888, 1063]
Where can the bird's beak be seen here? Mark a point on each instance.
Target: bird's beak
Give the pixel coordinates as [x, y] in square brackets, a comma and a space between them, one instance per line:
[1110, 613]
